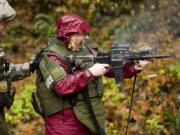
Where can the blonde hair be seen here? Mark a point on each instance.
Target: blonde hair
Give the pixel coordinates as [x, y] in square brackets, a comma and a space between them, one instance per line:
[72, 42]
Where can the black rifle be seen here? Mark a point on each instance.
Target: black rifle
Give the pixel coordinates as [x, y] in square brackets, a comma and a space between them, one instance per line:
[116, 57]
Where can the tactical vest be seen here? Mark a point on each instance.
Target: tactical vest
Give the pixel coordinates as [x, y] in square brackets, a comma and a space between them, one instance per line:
[49, 73]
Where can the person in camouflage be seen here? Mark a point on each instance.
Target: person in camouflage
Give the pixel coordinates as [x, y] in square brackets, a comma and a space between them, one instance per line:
[13, 71]
[7, 13]
[60, 90]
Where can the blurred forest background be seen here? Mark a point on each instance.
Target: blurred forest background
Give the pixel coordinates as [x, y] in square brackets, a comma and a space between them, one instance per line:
[156, 106]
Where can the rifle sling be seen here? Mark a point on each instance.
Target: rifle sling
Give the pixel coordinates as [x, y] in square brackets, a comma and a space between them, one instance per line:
[130, 105]
[91, 111]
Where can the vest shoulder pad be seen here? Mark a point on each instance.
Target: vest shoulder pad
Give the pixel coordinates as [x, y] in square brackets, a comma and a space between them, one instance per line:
[51, 71]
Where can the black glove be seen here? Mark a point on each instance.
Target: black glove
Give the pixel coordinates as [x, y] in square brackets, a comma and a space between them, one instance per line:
[34, 65]
[36, 61]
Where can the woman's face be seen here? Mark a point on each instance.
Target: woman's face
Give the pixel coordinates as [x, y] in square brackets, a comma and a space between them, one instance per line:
[77, 41]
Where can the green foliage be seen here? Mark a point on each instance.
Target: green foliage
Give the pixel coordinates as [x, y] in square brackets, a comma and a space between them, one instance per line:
[124, 32]
[44, 25]
[175, 70]
[154, 124]
[111, 129]
[112, 91]
[173, 121]
[6, 46]
[22, 110]
[16, 30]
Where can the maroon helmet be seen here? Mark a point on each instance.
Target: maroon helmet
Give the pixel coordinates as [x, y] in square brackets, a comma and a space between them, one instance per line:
[69, 24]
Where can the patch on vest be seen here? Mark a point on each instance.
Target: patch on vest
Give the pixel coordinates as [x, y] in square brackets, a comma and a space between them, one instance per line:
[49, 81]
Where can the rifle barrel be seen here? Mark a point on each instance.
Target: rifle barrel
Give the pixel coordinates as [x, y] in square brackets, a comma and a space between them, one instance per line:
[147, 57]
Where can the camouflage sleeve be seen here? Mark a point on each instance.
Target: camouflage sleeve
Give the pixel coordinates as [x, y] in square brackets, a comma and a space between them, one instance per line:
[18, 71]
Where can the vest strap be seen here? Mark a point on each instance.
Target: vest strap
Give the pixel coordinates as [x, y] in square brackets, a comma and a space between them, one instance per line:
[100, 131]
[66, 103]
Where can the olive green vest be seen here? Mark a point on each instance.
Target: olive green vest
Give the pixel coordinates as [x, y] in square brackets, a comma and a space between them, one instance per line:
[49, 73]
